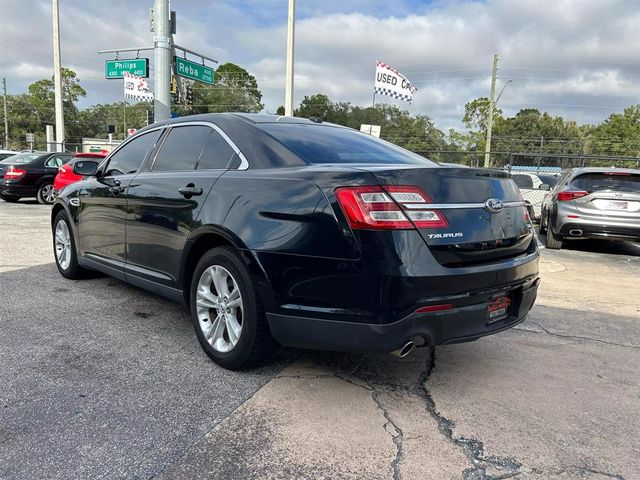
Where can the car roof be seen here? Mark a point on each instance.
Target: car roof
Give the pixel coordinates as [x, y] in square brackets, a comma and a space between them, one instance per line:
[221, 119]
[581, 170]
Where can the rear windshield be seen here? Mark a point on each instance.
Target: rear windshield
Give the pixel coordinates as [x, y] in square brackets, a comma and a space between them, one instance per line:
[591, 182]
[26, 157]
[523, 181]
[325, 144]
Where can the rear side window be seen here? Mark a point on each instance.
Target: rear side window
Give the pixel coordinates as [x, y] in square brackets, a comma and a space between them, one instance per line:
[325, 144]
[592, 182]
[217, 153]
[523, 181]
[181, 149]
[57, 161]
[130, 156]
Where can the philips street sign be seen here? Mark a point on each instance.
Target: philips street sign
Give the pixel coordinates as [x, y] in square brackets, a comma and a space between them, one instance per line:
[193, 71]
[135, 66]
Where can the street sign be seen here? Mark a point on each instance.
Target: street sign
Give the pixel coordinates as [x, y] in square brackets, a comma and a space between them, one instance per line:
[29, 137]
[136, 66]
[193, 71]
[131, 131]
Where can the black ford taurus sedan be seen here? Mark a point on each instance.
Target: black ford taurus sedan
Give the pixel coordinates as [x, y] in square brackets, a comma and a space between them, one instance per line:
[309, 234]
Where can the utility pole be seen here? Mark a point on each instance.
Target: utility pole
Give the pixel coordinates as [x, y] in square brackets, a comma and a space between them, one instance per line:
[291, 27]
[162, 51]
[6, 121]
[487, 148]
[57, 78]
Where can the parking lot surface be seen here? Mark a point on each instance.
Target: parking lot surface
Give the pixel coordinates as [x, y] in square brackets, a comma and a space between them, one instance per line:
[103, 380]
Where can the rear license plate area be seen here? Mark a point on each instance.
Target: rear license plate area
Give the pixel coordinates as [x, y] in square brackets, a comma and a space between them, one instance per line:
[617, 205]
[498, 308]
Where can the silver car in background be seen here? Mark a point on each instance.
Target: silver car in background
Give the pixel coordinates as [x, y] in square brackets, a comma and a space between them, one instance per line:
[592, 203]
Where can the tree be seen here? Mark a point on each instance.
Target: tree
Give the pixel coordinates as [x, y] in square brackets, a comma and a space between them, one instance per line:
[317, 105]
[234, 90]
[476, 114]
[618, 135]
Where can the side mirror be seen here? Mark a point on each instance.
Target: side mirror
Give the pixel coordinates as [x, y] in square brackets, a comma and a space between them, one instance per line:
[544, 186]
[86, 168]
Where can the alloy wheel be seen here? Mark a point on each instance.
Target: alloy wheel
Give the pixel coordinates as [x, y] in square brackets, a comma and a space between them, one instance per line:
[219, 308]
[48, 194]
[63, 244]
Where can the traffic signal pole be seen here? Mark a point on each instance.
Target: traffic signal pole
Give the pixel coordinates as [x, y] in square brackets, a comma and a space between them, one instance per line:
[162, 64]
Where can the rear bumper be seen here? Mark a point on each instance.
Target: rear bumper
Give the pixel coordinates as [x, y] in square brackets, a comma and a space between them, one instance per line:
[460, 324]
[15, 189]
[577, 230]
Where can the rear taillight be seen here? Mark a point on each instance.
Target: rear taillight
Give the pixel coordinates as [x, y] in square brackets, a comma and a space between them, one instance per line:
[14, 173]
[564, 196]
[391, 207]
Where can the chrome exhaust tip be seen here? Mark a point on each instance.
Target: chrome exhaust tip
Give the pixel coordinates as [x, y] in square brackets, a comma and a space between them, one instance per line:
[405, 350]
[575, 232]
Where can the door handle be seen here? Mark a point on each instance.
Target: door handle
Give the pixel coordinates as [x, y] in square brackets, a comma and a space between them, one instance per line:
[190, 191]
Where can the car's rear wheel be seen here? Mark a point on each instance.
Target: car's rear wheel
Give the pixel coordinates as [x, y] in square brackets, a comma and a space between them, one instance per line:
[64, 249]
[10, 198]
[554, 242]
[46, 194]
[226, 312]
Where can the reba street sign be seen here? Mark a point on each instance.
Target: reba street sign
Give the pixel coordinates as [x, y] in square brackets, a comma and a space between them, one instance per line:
[136, 66]
[193, 71]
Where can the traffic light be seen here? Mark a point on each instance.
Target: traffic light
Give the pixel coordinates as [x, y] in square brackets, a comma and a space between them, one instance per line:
[150, 117]
[189, 97]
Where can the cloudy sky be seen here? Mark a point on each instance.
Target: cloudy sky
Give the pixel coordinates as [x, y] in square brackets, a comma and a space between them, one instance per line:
[576, 58]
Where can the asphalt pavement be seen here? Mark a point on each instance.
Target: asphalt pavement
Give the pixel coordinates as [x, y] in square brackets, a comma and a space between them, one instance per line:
[102, 380]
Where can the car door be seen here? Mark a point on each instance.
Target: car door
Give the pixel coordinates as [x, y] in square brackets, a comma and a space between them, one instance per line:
[165, 201]
[102, 204]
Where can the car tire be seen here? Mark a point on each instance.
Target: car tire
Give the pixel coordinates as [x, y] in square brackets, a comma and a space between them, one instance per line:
[46, 194]
[544, 222]
[221, 277]
[64, 249]
[554, 242]
[10, 198]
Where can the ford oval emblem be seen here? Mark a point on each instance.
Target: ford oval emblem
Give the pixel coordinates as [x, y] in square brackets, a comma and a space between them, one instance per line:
[493, 205]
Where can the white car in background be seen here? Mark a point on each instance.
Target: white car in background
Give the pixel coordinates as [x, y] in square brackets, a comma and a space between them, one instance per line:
[6, 154]
[534, 187]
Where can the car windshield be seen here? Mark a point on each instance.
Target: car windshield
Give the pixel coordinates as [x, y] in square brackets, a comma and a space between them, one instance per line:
[325, 144]
[591, 182]
[26, 157]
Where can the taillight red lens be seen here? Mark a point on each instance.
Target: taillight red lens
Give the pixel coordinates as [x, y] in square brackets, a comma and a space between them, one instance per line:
[392, 207]
[564, 196]
[435, 308]
[14, 173]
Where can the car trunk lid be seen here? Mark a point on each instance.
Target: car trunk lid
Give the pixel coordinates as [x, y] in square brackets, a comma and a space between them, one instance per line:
[486, 219]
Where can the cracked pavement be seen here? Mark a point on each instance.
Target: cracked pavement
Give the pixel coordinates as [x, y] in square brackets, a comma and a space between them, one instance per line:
[557, 397]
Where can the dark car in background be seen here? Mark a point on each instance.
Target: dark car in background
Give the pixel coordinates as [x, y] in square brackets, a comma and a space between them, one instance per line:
[601, 203]
[309, 234]
[30, 174]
